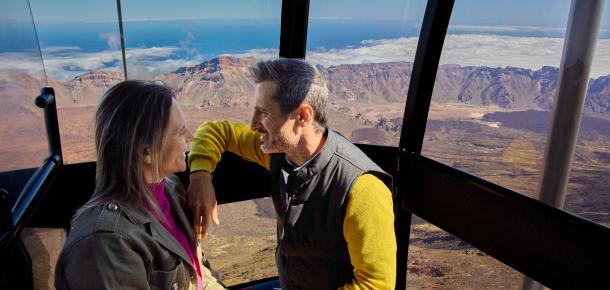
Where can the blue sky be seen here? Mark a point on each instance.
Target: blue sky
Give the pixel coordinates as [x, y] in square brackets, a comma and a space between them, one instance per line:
[482, 12]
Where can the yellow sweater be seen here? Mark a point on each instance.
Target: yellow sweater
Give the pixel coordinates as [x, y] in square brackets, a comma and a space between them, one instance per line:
[368, 227]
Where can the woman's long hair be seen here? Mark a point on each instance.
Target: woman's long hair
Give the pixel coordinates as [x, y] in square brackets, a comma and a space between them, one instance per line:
[131, 118]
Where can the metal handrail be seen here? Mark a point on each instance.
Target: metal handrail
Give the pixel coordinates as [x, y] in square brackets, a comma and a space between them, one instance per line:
[42, 178]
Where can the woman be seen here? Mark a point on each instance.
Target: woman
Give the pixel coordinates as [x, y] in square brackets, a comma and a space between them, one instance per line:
[134, 232]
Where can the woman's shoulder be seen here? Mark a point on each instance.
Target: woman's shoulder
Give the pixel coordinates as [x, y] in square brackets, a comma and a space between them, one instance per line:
[104, 237]
[107, 217]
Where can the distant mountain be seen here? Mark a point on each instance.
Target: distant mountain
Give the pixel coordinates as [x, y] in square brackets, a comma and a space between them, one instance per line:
[221, 81]
[374, 82]
[18, 91]
[508, 87]
[598, 94]
[86, 89]
[224, 82]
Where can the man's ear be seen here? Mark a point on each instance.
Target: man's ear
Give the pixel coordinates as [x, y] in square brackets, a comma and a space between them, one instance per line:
[306, 114]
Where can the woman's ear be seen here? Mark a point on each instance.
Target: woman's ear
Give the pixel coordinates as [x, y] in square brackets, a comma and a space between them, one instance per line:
[147, 156]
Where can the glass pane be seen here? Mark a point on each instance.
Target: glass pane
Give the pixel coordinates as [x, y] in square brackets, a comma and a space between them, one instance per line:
[81, 50]
[365, 50]
[440, 260]
[489, 115]
[494, 90]
[242, 247]
[23, 142]
[202, 50]
[589, 187]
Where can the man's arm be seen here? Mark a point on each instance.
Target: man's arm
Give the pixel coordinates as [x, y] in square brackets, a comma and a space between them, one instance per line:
[368, 229]
[210, 141]
[215, 137]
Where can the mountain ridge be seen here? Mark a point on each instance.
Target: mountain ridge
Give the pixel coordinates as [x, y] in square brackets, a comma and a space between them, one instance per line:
[224, 81]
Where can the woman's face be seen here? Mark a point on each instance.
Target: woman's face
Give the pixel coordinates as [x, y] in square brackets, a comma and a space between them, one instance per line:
[175, 143]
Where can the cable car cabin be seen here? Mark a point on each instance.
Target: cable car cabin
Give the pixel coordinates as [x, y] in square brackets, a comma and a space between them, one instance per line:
[493, 119]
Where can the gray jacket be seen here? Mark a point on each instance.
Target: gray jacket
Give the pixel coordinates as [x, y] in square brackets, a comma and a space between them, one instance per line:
[114, 247]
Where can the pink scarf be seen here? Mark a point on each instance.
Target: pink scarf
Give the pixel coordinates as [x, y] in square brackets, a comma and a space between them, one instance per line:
[158, 189]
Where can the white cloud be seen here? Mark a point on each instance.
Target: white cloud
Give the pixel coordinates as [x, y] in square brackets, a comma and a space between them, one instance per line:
[148, 63]
[524, 52]
[64, 63]
[112, 39]
[503, 28]
[259, 53]
[467, 50]
[18, 62]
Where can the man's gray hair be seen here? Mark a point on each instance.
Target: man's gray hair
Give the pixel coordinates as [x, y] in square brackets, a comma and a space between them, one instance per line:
[297, 82]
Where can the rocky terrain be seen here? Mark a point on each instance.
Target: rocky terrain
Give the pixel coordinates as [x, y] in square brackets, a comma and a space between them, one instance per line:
[490, 122]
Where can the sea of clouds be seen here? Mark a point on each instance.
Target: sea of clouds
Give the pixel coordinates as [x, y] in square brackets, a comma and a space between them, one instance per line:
[64, 63]
[466, 50]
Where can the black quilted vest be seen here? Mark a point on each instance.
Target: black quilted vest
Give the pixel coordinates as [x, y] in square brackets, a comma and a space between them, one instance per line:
[312, 252]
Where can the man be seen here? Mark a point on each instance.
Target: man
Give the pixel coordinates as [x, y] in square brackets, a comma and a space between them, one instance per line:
[335, 221]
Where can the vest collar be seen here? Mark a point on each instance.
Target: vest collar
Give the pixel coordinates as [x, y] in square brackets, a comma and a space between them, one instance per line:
[322, 158]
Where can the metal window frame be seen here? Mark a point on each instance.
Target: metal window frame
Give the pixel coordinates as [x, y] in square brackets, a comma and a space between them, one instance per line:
[119, 9]
[293, 30]
[17, 271]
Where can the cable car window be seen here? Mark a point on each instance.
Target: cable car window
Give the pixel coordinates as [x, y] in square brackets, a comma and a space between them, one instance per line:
[23, 142]
[588, 193]
[490, 110]
[494, 90]
[23, 139]
[202, 50]
[82, 54]
[365, 50]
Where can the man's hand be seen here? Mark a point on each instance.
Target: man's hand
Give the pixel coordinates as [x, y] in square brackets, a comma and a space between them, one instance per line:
[202, 200]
